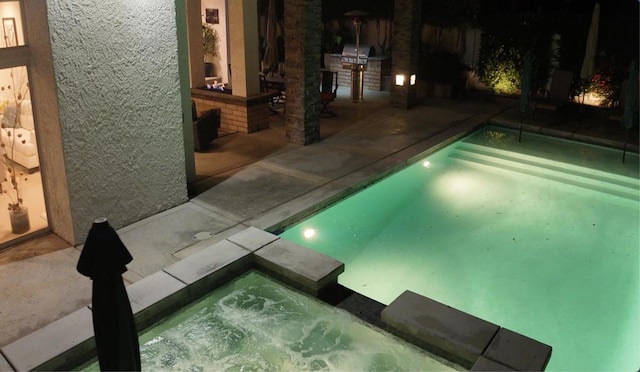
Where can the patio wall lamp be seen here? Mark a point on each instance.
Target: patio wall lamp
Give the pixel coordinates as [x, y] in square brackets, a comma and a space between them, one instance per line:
[400, 79]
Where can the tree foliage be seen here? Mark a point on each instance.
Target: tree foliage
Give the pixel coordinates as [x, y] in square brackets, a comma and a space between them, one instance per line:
[452, 13]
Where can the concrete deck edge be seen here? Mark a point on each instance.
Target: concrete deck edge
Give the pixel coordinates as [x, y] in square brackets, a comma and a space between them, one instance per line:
[299, 208]
[304, 206]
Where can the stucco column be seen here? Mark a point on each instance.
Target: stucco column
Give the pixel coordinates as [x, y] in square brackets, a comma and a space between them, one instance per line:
[405, 51]
[302, 66]
[243, 39]
[182, 32]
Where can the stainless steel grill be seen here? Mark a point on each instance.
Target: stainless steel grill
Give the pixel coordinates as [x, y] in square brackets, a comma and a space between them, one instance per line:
[349, 55]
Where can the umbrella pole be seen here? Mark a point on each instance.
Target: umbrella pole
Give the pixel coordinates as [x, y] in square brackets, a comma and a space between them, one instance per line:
[624, 147]
[520, 133]
[584, 93]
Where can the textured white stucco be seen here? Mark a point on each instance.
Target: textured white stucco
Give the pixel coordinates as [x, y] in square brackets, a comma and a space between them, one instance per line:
[116, 70]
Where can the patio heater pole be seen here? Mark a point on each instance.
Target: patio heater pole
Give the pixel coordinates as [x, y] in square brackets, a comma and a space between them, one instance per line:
[357, 70]
[357, 73]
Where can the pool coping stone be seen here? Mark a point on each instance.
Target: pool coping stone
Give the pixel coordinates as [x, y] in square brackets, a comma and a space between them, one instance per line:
[153, 296]
[57, 343]
[298, 266]
[441, 329]
[485, 364]
[206, 262]
[252, 238]
[4, 364]
[517, 351]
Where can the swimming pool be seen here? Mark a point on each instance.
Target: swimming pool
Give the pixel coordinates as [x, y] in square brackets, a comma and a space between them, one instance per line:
[540, 236]
[256, 324]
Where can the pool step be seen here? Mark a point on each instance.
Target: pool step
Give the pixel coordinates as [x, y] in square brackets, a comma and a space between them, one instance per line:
[592, 179]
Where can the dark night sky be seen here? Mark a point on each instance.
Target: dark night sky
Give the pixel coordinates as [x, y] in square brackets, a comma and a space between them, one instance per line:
[607, 7]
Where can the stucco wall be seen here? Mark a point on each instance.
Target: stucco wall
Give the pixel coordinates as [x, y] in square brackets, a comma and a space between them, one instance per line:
[116, 70]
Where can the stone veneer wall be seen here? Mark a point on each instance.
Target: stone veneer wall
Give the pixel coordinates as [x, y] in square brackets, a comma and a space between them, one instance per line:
[374, 75]
[116, 71]
[405, 50]
[302, 42]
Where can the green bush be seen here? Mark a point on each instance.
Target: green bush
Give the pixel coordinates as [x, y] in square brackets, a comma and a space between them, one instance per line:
[505, 37]
[500, 65]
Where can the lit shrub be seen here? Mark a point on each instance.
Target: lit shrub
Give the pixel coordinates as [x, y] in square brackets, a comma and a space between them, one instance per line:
[499, 65]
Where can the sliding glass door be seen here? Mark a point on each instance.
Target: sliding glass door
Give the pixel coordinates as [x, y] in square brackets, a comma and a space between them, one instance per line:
[22, 202]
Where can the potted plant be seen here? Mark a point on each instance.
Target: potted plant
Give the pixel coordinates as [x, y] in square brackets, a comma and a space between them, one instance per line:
[12, 177]
[210, 40]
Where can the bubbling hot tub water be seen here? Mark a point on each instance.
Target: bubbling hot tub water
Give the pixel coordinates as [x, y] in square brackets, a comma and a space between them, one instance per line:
[256, 324]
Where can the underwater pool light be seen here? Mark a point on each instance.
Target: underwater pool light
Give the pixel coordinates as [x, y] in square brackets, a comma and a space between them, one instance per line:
[309, 233]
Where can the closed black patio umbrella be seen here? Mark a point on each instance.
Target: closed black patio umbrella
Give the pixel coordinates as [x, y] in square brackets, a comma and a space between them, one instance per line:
[103, 259]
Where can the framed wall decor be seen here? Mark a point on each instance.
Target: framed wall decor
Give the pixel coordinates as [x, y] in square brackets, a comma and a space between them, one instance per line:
[211, 16]
[10, 36]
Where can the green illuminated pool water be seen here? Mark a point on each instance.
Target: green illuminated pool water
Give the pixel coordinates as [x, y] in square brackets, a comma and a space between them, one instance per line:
[540, 237]
[256, 324]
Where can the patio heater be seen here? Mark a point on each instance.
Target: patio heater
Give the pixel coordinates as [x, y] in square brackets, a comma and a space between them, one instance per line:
[357, 69]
